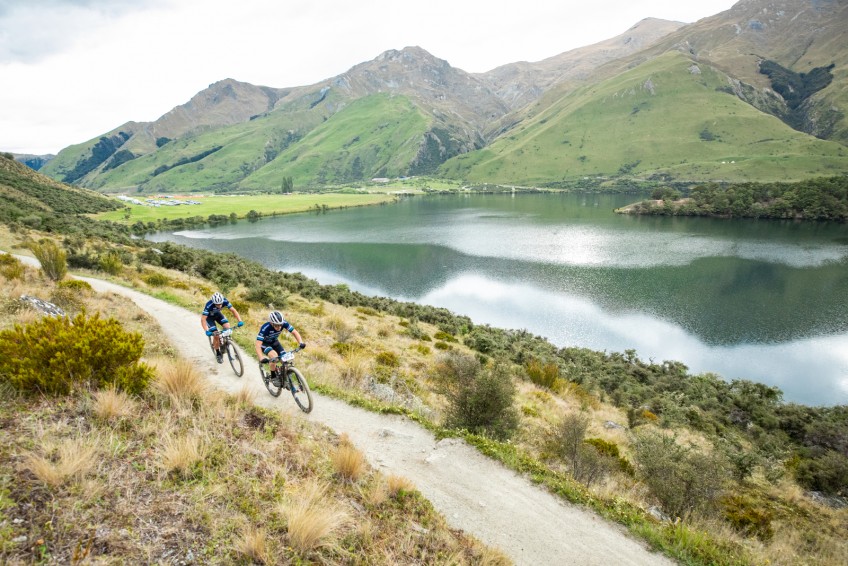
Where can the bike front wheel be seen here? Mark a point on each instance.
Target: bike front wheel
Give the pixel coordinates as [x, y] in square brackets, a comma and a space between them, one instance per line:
[299, 389]
[235, 359]
[270, 382]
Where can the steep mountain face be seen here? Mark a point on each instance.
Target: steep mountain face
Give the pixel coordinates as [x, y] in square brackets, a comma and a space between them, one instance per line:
[799, 35]
[601, 110]
[519, 84]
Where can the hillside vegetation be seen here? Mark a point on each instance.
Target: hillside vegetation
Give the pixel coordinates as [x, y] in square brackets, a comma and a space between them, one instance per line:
[668, 118]
[176, 472]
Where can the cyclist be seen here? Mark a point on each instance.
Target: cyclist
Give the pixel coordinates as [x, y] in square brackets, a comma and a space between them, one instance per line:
[212, 314]
[268, 339]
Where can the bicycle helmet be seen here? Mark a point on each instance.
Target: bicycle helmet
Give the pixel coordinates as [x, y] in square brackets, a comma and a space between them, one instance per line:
[218, 299]
[276, 317]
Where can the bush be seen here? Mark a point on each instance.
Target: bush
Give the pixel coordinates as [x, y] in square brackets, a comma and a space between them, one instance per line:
[543, 375]
[388, 359]
[827, 473]
[53, 259]
[682, 479]
[483, 404]
[156, 280]
[586, 462]
[747, 518]
[11, 267]
[53, 355]
[110, 263]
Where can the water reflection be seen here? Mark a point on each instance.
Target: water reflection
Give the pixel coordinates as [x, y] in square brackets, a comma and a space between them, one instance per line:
[751, 299]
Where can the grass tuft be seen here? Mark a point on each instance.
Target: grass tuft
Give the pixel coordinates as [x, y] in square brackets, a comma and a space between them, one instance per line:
[312, 520]
[348, 462]
[111, 404]
[75, 457]
[253, 543]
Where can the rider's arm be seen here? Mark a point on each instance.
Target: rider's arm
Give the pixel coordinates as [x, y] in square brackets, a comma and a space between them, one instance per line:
[235, 312]
[259, 351]
[296, 335]
[203, 323]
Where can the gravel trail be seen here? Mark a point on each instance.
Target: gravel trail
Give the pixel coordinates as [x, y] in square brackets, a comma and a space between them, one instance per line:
[472, 492]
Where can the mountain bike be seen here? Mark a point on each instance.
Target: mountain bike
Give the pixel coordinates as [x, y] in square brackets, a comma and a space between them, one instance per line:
[228, 348]
[286, 376]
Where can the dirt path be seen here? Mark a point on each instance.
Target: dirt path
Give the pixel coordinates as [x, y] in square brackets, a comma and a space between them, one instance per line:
[472, 492]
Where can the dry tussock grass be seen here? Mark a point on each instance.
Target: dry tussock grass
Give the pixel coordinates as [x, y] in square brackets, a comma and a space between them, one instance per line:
[312, 518]
[74, 458]
[111, 404]
[348, 462]
[396, 484]
[253, 542]
[179, 381]
[181, 454]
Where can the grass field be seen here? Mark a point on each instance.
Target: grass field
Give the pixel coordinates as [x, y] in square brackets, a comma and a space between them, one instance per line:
[242, 204]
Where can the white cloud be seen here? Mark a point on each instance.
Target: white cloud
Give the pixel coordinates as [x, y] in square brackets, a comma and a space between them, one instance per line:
[73, 70]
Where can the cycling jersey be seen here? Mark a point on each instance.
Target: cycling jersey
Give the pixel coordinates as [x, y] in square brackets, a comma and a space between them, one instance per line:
[210, 309]
[268, 334]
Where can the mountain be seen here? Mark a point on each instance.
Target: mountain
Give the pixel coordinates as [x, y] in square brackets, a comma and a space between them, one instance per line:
[754, 93]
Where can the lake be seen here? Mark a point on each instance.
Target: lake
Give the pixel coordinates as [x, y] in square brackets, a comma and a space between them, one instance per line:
[762, 300]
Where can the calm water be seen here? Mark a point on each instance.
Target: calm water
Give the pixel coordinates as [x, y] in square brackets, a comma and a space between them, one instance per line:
[760, 300]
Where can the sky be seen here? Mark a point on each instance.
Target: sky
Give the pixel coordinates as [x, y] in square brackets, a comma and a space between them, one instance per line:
[71, 70]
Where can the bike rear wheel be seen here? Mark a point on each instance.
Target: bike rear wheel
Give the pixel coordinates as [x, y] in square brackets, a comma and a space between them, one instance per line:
[235, 358]
[299, 389]
[268, 379]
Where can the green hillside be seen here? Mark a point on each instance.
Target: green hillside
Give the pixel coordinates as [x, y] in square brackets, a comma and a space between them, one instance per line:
[666, 118]
[34, 199]
[374, 136]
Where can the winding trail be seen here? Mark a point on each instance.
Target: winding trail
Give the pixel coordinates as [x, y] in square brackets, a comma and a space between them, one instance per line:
[473, 493]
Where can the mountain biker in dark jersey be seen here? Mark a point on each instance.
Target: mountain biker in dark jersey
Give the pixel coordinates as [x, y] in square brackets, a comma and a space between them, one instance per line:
[268, 338]
[212, 314]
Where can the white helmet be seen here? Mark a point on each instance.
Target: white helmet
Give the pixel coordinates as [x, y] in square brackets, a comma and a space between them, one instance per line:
[218, 299]
[276, 317]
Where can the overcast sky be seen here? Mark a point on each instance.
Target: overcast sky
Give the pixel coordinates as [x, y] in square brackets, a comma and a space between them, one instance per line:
[71, 70]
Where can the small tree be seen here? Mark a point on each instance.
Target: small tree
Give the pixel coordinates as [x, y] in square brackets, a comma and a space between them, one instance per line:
[681, 478]
[483, 403]
[53, 259]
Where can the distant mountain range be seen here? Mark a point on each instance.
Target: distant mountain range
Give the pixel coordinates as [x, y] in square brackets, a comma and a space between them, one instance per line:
[758, 92]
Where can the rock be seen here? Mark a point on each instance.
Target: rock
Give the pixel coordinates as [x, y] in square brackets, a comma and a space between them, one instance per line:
[43, 307]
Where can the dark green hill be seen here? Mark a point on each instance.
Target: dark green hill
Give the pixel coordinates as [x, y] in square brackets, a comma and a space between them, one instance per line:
[30, 197]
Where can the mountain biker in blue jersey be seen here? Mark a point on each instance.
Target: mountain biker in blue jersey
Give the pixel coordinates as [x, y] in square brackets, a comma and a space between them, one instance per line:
[268, 339]
[212, 314]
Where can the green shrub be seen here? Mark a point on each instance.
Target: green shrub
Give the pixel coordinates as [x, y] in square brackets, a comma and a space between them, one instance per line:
[11, 267]
[444, 336]
[54, 355]
[586, 462]
[747, 518]
[827, 473]
[110, 263]
[442, 346]
[483, 404]
[681, 478]
[76, 285]
[611, 449]
[53, 259]
[156, 280]
[543, 375]
[388, 359]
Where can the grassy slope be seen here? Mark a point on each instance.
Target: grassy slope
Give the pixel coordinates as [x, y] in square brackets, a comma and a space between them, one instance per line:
[652, 119]
[185, 473]
[241, 154]
[378, 135]
[23, 190]
[266, 204]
